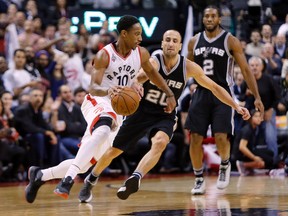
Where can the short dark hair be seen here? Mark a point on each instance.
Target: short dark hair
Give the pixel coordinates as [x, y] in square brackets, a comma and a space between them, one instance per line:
[216, 8]
[126, 22]
[18, 50]
[78, 90]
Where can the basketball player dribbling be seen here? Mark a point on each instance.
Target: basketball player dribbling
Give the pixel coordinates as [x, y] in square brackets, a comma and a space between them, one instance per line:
[151, 118]
[116, 65]
[215, 50]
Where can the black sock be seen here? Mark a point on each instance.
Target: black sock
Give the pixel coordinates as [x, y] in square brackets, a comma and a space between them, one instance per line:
[198, 173]
[92, 178]
[225, 162]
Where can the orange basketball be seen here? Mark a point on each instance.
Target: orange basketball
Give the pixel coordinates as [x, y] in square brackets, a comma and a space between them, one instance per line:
[126, 102]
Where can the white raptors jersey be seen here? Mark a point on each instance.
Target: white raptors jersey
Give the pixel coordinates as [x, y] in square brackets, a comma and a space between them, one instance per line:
[121, 71]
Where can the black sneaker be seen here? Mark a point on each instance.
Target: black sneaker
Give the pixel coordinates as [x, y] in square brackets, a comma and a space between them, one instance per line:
[35, 182]
[131, 185]
[85, 194]
[64, 187]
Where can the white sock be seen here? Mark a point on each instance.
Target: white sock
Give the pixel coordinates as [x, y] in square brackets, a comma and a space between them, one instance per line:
[58, 172]
[87, 150]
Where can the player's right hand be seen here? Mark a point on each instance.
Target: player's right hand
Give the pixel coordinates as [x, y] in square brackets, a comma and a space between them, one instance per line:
[244, 112]
[112, 91]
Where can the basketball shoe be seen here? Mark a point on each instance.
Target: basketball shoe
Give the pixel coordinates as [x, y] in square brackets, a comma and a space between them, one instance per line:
[223, 176]
[64, 187]
[35, 182]
[199, 186]
[85, 194]
[131, 185]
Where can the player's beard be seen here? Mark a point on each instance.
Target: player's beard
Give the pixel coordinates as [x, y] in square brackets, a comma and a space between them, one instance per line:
[211, 29]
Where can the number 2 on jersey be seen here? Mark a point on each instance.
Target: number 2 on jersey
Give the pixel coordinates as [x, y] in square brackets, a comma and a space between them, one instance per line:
[208, 65]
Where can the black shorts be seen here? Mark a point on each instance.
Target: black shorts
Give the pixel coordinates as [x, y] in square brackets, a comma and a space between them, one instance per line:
[206, 109]
[138, 125]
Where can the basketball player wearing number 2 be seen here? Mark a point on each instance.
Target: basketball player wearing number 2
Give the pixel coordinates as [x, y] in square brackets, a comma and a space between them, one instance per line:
[116, 65]
[151, 117]
[215, 50]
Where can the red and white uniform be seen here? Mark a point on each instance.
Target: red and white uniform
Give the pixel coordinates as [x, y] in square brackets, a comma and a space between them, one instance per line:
[120, 72]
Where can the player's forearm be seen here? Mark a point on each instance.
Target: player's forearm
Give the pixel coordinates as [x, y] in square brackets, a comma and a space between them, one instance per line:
[98, 91]
[224, 97]
[251, 83]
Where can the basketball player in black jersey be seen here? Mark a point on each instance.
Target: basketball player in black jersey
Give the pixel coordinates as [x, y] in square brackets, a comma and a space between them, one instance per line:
[151, 118]
[215, 50]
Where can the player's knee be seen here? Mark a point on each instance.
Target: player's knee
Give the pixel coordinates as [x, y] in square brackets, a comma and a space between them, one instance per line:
[159, 144]
[196, 140]
[220, 138]
[104, 130]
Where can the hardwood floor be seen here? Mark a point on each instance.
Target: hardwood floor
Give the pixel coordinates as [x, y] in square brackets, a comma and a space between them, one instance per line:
[158, 195]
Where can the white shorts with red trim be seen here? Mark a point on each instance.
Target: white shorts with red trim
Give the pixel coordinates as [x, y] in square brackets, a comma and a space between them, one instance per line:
[94, 107]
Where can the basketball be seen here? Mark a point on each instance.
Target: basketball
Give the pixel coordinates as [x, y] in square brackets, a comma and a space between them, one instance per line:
[126, 102]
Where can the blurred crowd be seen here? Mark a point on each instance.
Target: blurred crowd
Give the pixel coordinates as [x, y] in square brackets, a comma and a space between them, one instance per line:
[45, 73]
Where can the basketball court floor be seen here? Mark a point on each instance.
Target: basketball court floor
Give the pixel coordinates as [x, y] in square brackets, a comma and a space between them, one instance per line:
[158, 195]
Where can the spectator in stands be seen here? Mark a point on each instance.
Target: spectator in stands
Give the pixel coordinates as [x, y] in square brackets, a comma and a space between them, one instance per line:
[79, 95]
[10, 151]
[67, 120]
[20, 21]
[57, 79]
[49, 32]
[73, 67]
[18, 80]
[11, 38]
[239, 93]
[37, 25]
[270, 95]
[64, 32]
[266, 33]
[86, 78]
[273, 62]
[3, 68]
[280, 47]
[84, 43]
[254, 48]
[61, 11]
[283, 29]
[283, 104]
[245, 150]
[32, 10]
[45, 67]
[28, 37]
[29, 122]
[6, 98]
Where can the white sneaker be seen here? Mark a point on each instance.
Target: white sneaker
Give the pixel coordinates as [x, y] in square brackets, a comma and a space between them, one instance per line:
[240, 167]
[223, 176]
[199, 186]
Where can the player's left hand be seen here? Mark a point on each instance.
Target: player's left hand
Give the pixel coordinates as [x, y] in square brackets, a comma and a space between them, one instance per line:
[171, 104]
[244, 112]
[138, 88]
[260, 107]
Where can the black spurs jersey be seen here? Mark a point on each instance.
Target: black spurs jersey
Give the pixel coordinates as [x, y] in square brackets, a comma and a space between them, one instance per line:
[214, 58]
[154, 100]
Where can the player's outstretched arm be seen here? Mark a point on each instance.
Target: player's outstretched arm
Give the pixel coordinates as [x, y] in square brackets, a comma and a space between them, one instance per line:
[195, 71]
